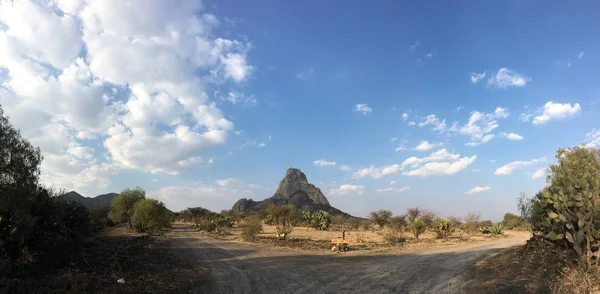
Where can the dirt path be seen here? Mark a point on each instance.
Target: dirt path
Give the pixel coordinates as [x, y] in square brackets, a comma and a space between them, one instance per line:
[240, 268]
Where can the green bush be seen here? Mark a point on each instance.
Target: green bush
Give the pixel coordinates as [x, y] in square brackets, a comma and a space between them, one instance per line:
[150, 215]
[512, 222]
[321, 220]
[251, 228]
[281, 216]
[122, 207]
[381, 217]
[444, 228]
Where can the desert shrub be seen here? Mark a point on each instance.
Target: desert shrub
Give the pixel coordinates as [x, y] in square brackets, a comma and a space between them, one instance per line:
[381, 217]
[496, 229]
[398, 223]
[354, 223]
[393, 236]
[339, 222]
[471, 224]
[485, 224]
[121, 208]
[569, 207]
[150, 215]
[251, 228]
[444, 228]
[417, 227]
[426, 216]
[305, 218]
[366, 225]
[281, 216]
[512, 222]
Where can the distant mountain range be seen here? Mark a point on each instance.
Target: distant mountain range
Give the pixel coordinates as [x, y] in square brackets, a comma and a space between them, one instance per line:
[100, 200]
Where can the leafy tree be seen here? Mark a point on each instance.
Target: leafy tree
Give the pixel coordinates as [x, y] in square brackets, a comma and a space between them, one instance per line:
[149, 215]
[381, 217]
[426, 216]
[121, 208]
[512, 221]
[281, 216]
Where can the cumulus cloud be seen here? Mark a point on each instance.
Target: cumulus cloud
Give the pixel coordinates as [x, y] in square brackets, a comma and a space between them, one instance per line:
[481, 125]
[437, 163]
[345, 189]
[425, 146]
[362, 108]
[345, 168]
[405, 116]
[476, 77]
[539, 173]
[512, 166]
[556, 111]
[140, 85]
[324, 163]
[392, 189]
[235, 97]
[477, 190]
[505, 78]
[438, 124]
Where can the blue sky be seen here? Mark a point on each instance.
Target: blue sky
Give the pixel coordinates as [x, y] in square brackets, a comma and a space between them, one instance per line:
[213, 101]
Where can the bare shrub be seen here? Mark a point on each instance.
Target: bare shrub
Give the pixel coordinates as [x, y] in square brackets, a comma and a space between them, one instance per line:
[251, 228]
[393, 236]
[575, 279]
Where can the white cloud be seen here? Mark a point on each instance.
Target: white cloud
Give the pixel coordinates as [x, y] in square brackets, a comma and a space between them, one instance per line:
[510, 167]
[460, 108]
[405, 116]
[377, 172]
[477, 190]
[512, 136]
[414, 46]
[362, 108]
[392, 189]
[425, 146]
[400, 148]
[556, 111]
[476, 77]
[394, 139]
[345, 168]
[412, 123]
[437, 163]
[324, 163]
[138, 84]
[594, 136]
[240, 98]
[262, 145]
[580, 55]
[344, 189]
[392, 183]
[539, 173]
[481, 125]
[431, 54]
[227, 182]
[438, 125]
[507, 78]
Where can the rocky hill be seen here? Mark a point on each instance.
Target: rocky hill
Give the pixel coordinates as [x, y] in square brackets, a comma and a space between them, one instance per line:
[100, 200]
[294, 189]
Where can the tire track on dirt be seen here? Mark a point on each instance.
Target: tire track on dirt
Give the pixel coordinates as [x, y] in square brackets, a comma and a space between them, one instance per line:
[241, 268]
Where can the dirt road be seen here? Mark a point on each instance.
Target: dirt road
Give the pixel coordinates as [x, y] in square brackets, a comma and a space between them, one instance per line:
[240, 268]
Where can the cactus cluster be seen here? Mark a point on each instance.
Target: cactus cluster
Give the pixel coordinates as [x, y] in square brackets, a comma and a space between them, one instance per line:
[444, 228]
[573, 215]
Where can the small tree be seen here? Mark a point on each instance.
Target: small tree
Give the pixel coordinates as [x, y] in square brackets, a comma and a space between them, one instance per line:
[512, 221]
[472, 221]
[381, 217]
[149, 214]
[282, 218]
[251, 228]
[121, 208]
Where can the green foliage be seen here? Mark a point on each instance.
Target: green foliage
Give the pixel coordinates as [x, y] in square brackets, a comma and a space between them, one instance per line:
[512, 221]
[381, 217]
[417, 227]
[281, 216]
[444, 228]
[251, 228]
[321, 220]
[496, 229]
[150, 215]
[121, 208]
[426, 216]
[569, 207]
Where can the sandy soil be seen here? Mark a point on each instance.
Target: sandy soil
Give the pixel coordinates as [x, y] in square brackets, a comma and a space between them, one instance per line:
[243, 268]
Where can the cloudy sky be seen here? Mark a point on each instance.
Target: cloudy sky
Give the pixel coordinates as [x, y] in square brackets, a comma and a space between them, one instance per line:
[383, 105]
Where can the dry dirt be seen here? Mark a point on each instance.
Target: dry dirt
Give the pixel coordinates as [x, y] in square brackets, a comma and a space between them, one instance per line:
[236, 267]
